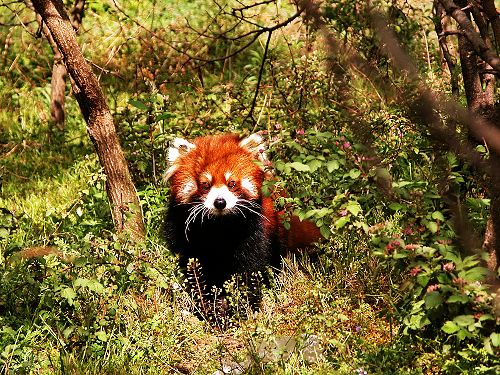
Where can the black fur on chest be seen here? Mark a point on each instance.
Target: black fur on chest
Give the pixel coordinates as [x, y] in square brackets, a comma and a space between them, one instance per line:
[224, 245]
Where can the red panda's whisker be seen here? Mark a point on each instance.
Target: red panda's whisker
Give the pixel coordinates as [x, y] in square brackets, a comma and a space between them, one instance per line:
[240, 211]
[251, 203]
[205, 211]
[241, 204]
[193, 213]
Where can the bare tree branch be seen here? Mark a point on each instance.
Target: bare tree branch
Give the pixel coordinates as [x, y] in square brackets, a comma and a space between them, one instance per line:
[493, 17]
[441, 25]
[480, 47]
[261, 71]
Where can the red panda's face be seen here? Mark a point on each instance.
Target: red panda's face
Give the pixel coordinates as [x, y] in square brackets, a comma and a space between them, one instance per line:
[217, 175]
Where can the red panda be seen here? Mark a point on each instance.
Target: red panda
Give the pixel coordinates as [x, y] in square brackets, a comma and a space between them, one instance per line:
[217, 212]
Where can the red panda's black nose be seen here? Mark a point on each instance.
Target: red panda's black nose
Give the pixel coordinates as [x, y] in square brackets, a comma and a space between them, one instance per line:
[219, 203]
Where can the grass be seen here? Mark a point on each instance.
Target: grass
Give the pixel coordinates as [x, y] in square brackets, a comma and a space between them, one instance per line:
[147, 317]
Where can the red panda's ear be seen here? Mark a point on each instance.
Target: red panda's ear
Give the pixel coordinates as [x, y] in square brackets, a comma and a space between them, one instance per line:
[254, 144]
[178, 148]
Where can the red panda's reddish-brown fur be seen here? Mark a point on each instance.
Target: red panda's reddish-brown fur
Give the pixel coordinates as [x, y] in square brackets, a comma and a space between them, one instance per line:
[217, 211]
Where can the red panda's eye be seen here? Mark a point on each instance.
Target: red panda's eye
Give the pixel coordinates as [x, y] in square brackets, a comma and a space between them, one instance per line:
[205, 186]
[231, 184]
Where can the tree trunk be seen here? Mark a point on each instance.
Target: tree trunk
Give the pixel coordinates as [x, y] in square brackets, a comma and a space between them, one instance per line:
[479, 61]
[443, 25]
[491, 242]
[58, 80]
[480, 93]
[57, 91]
[492, 16]
[125, 204]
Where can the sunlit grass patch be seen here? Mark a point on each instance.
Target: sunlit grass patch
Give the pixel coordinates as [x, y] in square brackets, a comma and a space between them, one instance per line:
[53, 192]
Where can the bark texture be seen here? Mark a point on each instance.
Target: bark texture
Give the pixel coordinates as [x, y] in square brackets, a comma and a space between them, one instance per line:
[457, 11]
[58, 81]
[125, 204]
[478, 60]
[57, 92]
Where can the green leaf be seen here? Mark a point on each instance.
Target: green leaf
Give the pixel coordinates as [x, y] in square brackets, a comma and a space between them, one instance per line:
[462, 334]
[80, 262]
[91, 284]
[353, 207]
[418, 321]
[101, 335]
[323, 212]
[310, 213]
[4, 233]
[397, 207]
[332, 165]
[69, 294]
[354, 173]
[68, 331]
[340, 223]
[138, 104]
[437, 215]
[314, 164]
[481, 148]
[433, 299]
[486, 317]
[495, 339]
[474, 274]
[450, 327]
[80, 282]
[299, 166]
[432, 226]
[325, 231]
[400, 255]
[460, 298]
[464, 320]
[423, 279]
[362, 225]
[164, 116]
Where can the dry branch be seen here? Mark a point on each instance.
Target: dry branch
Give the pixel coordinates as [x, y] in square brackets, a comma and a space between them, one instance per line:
[480, 47]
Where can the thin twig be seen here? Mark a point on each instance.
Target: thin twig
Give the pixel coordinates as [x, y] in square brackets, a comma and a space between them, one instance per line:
[261, 71]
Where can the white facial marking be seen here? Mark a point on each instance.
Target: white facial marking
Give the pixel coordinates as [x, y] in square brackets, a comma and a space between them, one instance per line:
[220, 192]
[207, 175]
[187, 190]
[227, 175]
[249, 186]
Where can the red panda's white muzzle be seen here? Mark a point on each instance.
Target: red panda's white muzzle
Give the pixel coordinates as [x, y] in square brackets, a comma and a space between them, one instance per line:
[220, 200]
